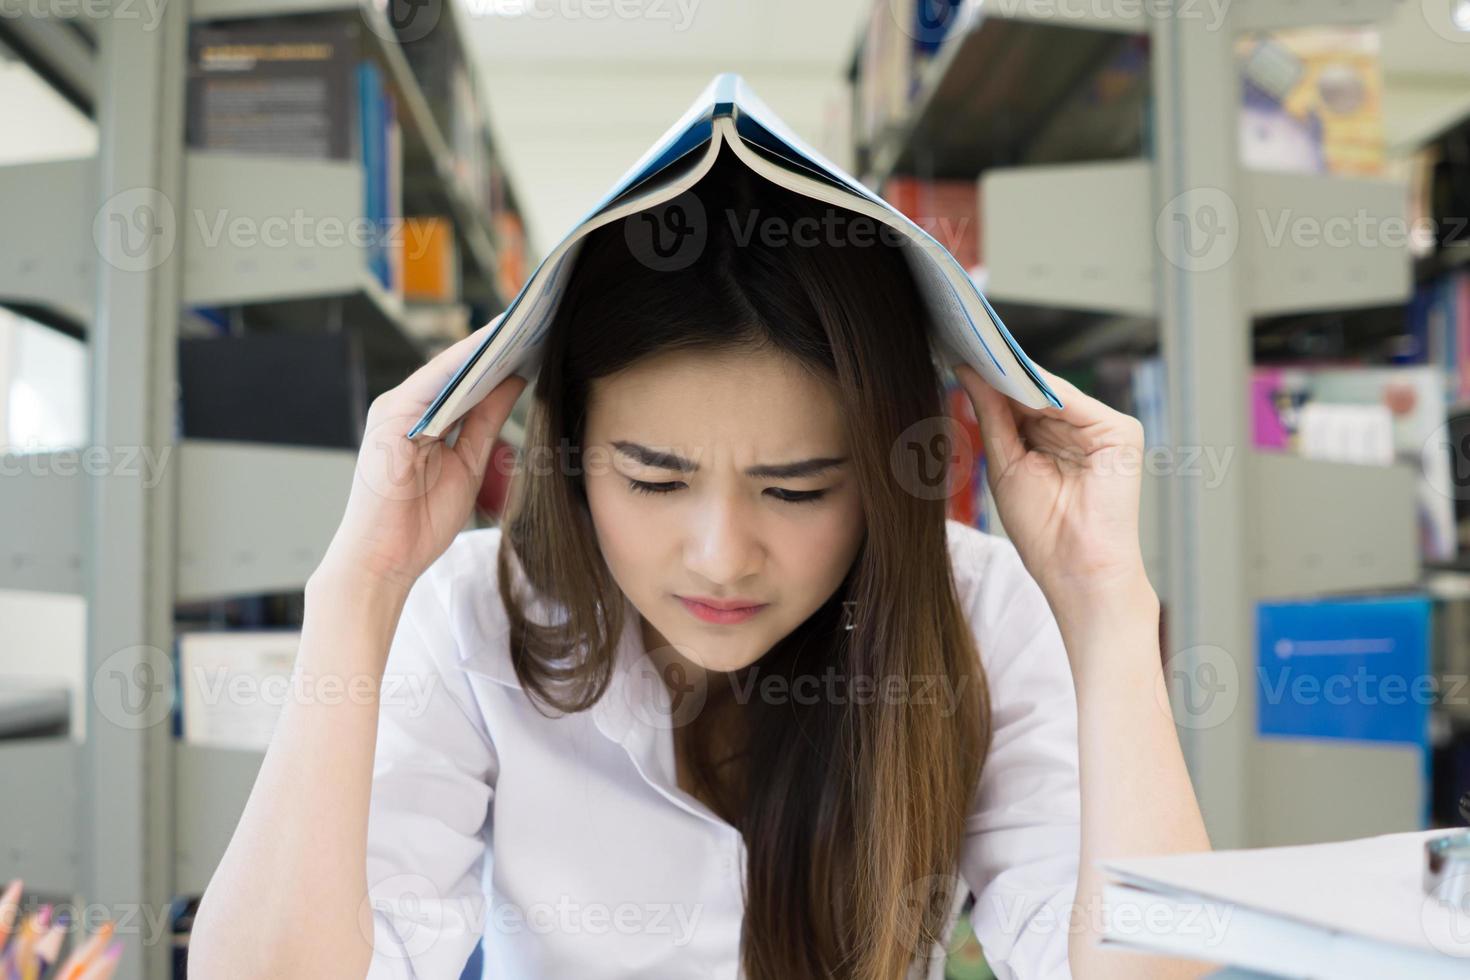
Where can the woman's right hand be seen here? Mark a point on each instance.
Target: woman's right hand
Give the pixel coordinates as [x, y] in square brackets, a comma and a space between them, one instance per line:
[410, 498]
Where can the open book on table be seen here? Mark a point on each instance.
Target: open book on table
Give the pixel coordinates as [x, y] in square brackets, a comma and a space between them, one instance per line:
[1345, 909]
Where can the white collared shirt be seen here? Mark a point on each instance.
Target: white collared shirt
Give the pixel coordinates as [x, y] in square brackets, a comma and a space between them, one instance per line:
[566, 843]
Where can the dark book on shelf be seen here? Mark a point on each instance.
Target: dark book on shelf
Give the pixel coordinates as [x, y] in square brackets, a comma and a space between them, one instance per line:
[290, 389]
[275, 89]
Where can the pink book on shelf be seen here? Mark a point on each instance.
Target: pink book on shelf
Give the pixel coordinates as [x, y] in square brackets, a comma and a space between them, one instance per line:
[1267, 431]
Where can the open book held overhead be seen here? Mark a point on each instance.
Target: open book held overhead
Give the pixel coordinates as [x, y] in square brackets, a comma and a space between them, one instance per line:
[727, 112]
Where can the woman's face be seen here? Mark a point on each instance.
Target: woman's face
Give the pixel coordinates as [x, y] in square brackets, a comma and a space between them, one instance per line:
[670, 446]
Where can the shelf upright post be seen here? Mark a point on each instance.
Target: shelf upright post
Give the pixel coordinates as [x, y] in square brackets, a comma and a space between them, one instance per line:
[126, 859]
[1205, 336]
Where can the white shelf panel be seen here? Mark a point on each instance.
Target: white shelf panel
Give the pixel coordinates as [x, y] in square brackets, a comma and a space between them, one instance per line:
[261, 228]
[1307, 531]
[256, 518]
[1085, 236]
[252, 518]
[1352, 247]
[38, 826]
[1046, 240]
[41, 497]
[1323, 527]
[53, 263]
[213, 786]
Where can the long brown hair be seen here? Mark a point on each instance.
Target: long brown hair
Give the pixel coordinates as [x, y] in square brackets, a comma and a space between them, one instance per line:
[852, 810]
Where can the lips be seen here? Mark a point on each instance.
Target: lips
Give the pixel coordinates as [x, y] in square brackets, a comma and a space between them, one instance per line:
[742, 610]
[724, 604]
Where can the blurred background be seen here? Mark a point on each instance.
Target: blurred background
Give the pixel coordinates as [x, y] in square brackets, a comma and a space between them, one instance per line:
[226, 226]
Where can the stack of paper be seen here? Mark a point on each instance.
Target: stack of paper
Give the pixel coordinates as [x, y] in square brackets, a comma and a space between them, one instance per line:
[1343, 910]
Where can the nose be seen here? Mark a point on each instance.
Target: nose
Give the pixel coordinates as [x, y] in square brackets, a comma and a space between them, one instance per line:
[724, 543]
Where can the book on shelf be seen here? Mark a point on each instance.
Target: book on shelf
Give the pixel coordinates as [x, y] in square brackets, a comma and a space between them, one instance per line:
[308, 91]
[947, 209]
[1365, 414]
[429, 256]
[728, 117]
[233, 684]
[302, 389]
[1312, 100]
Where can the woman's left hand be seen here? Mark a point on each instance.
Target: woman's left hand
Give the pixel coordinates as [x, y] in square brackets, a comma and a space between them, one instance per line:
[1066, 482]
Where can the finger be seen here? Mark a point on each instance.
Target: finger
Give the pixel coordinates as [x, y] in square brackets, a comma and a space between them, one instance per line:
[483, 423]
[1003, 445]
[9, 909]
[424, 384]
[1078, 408]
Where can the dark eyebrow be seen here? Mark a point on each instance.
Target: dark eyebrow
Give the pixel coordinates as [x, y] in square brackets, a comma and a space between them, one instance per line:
[672, 461]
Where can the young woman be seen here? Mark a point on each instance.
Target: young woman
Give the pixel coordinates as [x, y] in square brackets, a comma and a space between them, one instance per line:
[725, 694]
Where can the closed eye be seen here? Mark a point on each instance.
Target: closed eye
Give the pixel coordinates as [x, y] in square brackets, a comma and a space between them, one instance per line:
[788, 496]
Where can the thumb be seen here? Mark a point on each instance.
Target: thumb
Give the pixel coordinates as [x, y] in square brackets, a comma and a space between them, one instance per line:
[1003, 445]
[483, 422]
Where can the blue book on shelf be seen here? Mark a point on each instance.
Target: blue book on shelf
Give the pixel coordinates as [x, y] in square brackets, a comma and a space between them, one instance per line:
[1353, 668]
[370, 129]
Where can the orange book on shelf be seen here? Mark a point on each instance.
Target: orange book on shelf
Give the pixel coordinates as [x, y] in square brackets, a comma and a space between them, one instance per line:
[512, 272]
[430, 260]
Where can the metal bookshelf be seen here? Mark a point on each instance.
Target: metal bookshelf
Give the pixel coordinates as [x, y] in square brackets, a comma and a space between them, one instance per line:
[130, 814]
[1079, 260]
